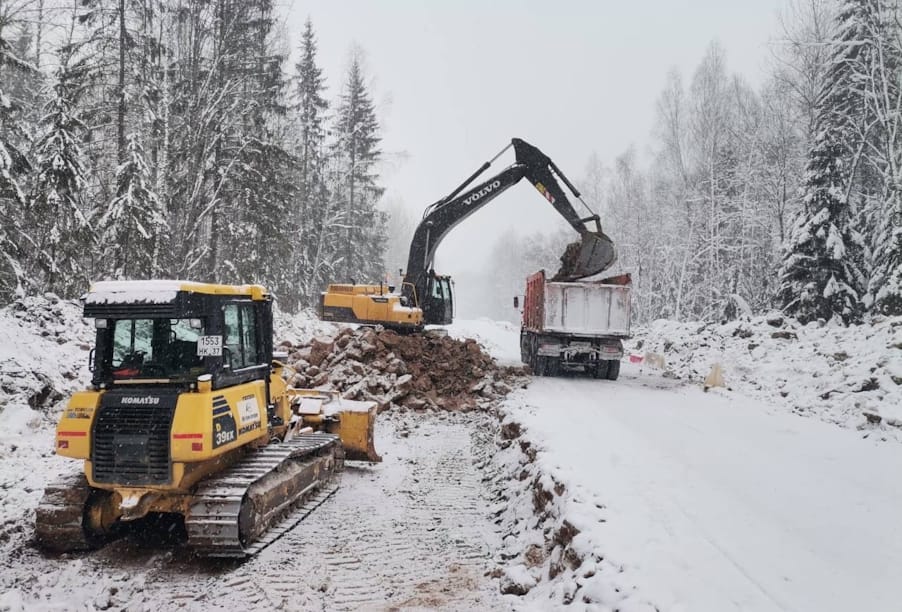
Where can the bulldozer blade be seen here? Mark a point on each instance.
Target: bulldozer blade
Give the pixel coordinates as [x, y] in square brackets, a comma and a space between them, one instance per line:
[592, 254]
[355, 428]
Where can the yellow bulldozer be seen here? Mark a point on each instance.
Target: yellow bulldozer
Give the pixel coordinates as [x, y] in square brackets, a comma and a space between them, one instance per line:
[189, 416]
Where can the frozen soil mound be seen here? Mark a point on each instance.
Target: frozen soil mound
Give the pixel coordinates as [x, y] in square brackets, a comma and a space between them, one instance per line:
[422, 371]
[850, 376]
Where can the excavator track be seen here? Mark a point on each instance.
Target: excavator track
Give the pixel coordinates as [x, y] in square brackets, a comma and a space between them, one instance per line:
[243, 510]
[59, 520]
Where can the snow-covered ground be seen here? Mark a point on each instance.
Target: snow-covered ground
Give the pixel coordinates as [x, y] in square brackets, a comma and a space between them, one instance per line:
[631, 495]
[686, 500]
[835, 373]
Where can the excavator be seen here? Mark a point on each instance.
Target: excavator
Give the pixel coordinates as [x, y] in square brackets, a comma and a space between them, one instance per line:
[189, 416]
[425, 298]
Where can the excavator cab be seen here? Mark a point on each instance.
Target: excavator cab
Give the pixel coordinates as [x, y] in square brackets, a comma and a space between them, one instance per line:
[438, 303]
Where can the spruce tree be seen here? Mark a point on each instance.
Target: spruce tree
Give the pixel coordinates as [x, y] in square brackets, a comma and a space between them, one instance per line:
[312, 211]
[56, 208]
[357, 149]
[822, 274]
[134, 222]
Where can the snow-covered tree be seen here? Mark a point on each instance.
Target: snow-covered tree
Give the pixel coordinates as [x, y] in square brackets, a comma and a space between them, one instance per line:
[316, 234]
[60, 255]
[134, 223]
[879, 79]
[822, 274]
[356, 149]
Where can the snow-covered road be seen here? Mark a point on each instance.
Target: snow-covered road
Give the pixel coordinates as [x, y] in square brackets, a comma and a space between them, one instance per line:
[717, 502]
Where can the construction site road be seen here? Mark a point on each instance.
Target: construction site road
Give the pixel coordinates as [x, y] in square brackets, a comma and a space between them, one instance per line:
[411, 532]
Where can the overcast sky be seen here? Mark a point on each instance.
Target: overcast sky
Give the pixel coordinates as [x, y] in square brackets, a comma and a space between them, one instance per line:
[455, 80]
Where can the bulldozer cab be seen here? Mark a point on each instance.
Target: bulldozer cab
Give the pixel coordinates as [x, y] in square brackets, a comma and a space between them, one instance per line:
[167, 332]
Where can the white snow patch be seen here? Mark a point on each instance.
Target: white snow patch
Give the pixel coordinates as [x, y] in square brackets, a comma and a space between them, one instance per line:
[834, 373]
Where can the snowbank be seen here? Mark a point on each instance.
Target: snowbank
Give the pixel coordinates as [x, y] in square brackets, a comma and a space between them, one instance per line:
[44, 348]
[835, 373]
[552, 554]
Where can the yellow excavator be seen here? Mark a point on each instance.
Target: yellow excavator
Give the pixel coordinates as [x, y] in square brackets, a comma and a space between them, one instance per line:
[189, 416]
[425, 298]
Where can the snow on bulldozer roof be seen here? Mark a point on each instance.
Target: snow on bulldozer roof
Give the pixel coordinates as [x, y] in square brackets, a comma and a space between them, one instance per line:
[162, 291]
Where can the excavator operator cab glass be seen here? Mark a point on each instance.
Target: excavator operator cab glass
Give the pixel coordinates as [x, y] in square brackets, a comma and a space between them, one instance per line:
[446, 291]
[155, 349]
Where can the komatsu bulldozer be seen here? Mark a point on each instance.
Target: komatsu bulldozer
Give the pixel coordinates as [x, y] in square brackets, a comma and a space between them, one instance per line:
[426, 298]
[189, 416]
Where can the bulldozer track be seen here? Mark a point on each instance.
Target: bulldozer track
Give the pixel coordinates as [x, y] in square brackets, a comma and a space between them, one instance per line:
[60, 515]
[213, 521]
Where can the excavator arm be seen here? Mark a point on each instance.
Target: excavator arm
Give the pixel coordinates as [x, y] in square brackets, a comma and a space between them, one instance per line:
[594, 253]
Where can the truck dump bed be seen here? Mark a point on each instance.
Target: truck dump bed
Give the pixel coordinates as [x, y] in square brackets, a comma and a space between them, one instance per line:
[584, 308]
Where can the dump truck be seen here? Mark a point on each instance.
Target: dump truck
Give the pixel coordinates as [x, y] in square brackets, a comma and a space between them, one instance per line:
[575, 325]
[188, 416]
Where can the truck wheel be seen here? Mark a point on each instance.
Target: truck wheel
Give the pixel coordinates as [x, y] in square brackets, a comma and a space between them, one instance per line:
[601, 369]
[552, 366]
[614, 369]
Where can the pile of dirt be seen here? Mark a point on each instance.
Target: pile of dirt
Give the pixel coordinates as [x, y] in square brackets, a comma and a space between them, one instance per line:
[417, 371]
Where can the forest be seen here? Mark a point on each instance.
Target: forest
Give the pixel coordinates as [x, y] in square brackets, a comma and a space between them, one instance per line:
[174, 138]
[747, 199]
[149, 139]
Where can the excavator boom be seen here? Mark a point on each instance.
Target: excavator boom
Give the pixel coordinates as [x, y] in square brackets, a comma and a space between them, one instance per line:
[593, 253]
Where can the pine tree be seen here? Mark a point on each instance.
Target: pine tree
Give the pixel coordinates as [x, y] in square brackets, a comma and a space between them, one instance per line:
[822, 274]
[356, 184]
[252, 168]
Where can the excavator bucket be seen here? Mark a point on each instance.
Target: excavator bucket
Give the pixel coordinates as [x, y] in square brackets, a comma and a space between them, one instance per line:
[592, 254]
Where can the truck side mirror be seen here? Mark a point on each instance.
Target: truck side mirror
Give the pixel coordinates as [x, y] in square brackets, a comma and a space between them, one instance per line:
[516, 302]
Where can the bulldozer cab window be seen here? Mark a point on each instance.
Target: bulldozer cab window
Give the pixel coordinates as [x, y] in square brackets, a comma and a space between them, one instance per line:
[240, 338]
[155, 348]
